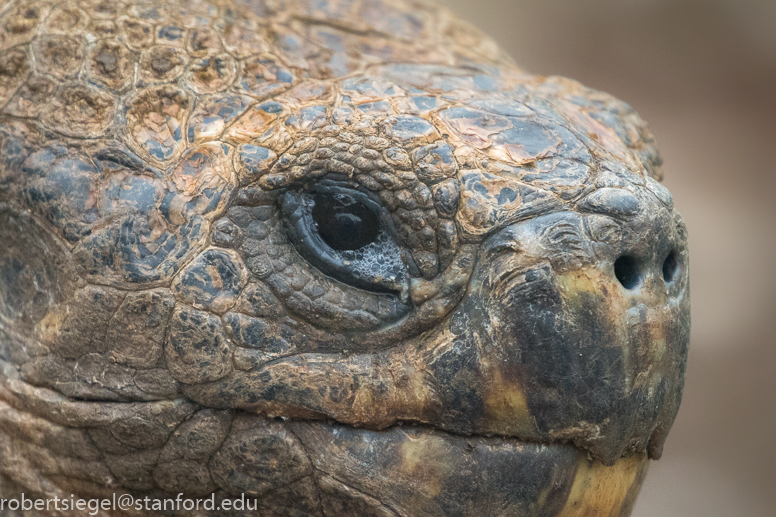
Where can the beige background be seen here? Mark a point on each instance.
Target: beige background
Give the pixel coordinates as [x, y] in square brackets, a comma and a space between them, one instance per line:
[703, 74]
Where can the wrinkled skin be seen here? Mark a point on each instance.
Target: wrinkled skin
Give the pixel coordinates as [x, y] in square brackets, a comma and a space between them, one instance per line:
[174, 318]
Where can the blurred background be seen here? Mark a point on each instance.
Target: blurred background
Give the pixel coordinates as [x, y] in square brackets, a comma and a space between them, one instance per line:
[703, 74]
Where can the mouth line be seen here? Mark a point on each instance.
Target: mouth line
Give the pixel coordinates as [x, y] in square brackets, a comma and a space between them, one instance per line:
[429, 430]
[419, 465]
[62, 409]
[412, 468]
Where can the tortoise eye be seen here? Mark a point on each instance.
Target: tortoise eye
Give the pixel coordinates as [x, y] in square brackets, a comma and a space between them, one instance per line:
[343, 223]
[348, 235]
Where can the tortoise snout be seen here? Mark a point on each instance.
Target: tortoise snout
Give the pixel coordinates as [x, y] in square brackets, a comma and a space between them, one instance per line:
[594, 323]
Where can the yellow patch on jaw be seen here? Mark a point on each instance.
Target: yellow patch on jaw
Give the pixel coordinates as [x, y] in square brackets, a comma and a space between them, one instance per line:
[647, 324]
[604, 491]
[364, 404]
[49, 327]
[575, 283]
[425, 458]
[659, 349]
[657, 334]
[506, 407]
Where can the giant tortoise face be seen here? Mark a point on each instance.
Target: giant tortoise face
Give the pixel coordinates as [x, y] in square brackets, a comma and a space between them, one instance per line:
[338, 256]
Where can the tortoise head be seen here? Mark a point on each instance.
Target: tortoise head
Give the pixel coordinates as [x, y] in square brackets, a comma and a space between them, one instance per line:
[337, 268]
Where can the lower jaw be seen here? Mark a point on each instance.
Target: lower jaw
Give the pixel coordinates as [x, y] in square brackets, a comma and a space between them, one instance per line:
[402, 471]
[418, 472]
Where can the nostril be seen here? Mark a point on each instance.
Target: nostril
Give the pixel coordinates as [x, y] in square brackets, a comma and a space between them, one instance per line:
[626, 269]
[670, 267]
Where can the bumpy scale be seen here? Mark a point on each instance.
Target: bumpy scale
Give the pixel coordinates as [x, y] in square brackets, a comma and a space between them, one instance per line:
[492, 319]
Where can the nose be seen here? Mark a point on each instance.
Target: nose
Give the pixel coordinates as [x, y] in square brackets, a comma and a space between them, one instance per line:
[641, 253]
[633, 272]
[639, 240]
[592, 312]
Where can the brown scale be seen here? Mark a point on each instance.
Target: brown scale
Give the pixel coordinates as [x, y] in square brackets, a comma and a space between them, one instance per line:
[109, 64]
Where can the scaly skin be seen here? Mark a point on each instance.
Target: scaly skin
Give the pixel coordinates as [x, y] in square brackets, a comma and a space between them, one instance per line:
[172, 321]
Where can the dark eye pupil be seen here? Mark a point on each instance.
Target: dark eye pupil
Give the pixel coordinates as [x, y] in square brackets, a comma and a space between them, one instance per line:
[343, 223]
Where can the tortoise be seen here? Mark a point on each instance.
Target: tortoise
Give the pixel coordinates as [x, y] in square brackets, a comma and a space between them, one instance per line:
[340, 257]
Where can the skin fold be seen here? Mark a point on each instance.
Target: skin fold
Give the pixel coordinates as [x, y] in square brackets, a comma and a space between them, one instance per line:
[508, 337]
